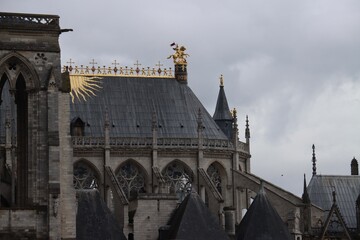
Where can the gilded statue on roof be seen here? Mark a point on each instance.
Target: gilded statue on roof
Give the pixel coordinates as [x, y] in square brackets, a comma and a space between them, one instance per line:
[179, 56]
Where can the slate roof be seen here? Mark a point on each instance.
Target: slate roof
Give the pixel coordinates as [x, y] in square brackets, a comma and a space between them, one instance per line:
[262, 222]
[131, 102]
[94, 220]
[193, 220]
[347, 189]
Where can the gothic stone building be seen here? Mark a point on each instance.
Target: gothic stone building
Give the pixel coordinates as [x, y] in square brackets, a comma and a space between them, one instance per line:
[140, 137]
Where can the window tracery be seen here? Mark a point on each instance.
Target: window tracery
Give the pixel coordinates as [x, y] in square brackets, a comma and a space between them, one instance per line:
[178, 178]
[84, 177]
[131, 179]
[214, 174]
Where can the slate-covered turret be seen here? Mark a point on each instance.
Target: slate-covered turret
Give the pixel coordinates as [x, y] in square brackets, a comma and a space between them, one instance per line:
[262, 222]
[222, 115]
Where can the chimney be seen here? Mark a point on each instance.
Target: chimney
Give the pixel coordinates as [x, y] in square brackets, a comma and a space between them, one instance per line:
[354, 167]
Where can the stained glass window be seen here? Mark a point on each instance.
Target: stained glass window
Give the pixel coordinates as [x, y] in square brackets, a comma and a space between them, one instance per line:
[178, 178]
[214, 174]
[84, 177]
[131, 179]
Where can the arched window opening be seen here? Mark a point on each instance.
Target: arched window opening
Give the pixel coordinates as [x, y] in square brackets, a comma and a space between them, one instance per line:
[131, 179]
[84, 177]
[77, 127]
[178, 178]
[214, 174]
[21, 101]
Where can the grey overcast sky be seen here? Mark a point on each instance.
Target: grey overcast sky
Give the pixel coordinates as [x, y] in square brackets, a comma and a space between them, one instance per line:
[292, 66]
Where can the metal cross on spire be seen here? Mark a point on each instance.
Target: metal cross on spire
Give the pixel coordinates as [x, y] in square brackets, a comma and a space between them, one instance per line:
[93, 65]
[159, 65]
[137, 64]
[70, 62]
[115, 64]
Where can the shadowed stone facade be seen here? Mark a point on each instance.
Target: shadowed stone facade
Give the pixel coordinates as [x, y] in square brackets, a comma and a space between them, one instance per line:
[36, 147]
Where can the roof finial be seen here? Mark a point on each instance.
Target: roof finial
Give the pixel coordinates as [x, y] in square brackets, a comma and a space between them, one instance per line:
[247, 129]
[314, 161]
[234, 114]
[179, 56]
[221, 80]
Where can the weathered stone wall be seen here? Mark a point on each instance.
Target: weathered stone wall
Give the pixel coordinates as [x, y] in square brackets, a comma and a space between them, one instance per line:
[22, 224]
[29, 46]
[152, 212]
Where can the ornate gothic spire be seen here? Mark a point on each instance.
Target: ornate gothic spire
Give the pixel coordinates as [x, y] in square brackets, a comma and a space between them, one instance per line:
[222, 115]
[314, 161]
[247, 130]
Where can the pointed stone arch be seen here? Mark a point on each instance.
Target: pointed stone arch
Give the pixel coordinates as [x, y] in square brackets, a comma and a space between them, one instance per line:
[218, 176]
[179, 177]
[86, 175]
[15, 64]
[133, 178]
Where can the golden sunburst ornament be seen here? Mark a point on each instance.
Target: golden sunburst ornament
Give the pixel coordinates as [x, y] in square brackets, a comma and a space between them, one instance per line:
[83, 87]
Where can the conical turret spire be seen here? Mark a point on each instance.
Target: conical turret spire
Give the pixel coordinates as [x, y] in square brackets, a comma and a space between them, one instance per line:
[222, 115]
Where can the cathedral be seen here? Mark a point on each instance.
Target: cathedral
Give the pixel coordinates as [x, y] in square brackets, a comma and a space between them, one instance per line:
[118, 152]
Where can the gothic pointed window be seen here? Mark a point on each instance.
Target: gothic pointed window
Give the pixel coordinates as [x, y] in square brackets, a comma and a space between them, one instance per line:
[131, 179]
[178, 178]
[214, 174]
[84, 177]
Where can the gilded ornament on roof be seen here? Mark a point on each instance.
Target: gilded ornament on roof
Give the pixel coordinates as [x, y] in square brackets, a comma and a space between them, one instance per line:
[179, 57]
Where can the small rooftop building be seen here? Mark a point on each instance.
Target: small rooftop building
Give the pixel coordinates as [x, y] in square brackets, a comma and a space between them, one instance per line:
[337, 195]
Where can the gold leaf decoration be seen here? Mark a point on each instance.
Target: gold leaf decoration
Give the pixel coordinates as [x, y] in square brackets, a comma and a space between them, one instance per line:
[83, 87]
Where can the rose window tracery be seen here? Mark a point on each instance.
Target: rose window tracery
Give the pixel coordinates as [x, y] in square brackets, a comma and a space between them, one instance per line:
[178, 178]
[131, 179]
[215, 176]
[84, 177]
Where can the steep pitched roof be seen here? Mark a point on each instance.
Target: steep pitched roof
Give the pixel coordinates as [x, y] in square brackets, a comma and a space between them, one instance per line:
[131, 102]
[193, 220]
[222, 111]
[222, 115]
[347, 189]
[262, 222]
[94, 220]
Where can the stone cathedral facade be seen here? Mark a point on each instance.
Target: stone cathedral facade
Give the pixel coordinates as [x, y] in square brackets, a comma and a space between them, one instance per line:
[137, 136]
